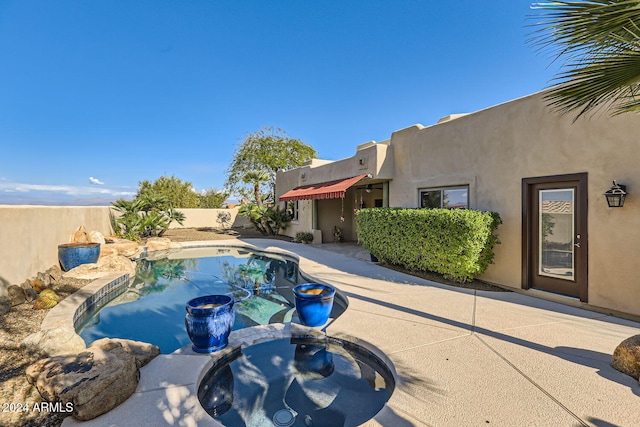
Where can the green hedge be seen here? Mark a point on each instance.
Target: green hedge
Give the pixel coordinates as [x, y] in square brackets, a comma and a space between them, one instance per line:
[457, 243]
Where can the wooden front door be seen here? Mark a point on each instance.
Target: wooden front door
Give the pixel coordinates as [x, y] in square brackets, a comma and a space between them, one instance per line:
[555, 234]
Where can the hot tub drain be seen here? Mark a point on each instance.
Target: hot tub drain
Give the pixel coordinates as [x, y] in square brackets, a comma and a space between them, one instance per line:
[284, 418]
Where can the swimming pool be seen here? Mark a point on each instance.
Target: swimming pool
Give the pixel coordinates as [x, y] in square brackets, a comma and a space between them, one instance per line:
[152, 308]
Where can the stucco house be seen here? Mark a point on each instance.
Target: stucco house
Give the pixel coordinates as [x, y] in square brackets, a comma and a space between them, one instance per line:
[542, 172]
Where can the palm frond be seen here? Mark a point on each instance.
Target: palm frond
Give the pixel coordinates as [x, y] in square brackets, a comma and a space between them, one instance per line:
[599, 43]
[613, 82]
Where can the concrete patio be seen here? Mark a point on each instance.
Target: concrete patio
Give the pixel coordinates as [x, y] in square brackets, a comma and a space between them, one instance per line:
[461, 357]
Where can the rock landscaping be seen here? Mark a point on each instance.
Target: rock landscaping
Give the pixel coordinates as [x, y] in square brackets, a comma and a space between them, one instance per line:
[24, 343]
[626, 357]
[17, 323]
[95, 380]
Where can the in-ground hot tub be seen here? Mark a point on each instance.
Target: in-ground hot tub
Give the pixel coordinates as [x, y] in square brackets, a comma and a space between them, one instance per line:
[301, 381]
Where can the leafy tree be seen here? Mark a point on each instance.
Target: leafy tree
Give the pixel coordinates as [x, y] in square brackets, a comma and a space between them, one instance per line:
[265, 152]
[178, 193]
[213, 199]
[599, 42]
[181, 194]
[153, 209]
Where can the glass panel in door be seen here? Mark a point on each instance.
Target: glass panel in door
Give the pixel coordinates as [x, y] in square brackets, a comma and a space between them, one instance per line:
[556, 227]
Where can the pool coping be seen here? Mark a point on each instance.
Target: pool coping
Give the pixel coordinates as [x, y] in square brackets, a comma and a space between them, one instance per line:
[67, 312]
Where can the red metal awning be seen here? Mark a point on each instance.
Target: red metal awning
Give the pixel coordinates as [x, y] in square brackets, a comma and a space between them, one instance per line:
[323, 190]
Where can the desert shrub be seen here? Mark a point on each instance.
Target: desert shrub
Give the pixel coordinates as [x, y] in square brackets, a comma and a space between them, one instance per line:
[304, 237]
[143, 217]
[268, 220]
[457, 243]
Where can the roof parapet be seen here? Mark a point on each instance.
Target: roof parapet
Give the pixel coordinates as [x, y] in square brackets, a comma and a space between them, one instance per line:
[450, 117]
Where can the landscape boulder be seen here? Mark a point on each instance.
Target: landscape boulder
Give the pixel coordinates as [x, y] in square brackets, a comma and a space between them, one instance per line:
[38, 285]
[95, 380]
[16, 295]
[55, 273]
[142, 352]
[123, 247]
[29, 291]
[158, 244]
[626, 357]
[79, 236]
[105, 265]
[96, 237]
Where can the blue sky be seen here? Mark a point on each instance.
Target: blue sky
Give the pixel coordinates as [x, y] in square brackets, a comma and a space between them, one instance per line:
[98, 95]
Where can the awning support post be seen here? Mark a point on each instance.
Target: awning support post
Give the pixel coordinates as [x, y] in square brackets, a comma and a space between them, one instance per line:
[385, 194]
[314, 214]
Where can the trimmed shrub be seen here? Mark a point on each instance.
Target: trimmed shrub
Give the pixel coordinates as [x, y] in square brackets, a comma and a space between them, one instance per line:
[457, 243]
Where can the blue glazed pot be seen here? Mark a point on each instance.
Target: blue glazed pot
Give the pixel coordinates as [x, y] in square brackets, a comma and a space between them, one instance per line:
[72, 255]
[209, 327]
[314, 302]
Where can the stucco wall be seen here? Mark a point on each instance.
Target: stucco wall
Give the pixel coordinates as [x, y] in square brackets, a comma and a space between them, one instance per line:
[31, 234]
[494, 149]
[374, 158]
[304, 223]
[491, 151]
[211, 218]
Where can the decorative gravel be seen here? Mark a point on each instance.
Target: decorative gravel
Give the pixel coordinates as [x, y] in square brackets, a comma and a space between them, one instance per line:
[20, 402]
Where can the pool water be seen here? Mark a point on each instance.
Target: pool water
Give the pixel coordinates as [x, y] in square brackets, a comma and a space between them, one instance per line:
[296, 382]
[152, 309]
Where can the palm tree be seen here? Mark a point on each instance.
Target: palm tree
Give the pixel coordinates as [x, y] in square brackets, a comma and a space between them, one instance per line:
[599, 41]
[257, 179]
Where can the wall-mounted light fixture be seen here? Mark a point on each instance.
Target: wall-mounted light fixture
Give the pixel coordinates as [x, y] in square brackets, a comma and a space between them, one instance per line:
[369, 188]
[616, 195]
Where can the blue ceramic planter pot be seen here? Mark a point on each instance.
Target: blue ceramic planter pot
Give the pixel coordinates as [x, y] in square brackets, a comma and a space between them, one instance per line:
[209, 320]
[314, 302]
[72, 255]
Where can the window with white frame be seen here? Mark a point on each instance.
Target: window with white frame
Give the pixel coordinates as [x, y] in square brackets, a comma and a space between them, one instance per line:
[445, 197]
[292, 209]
